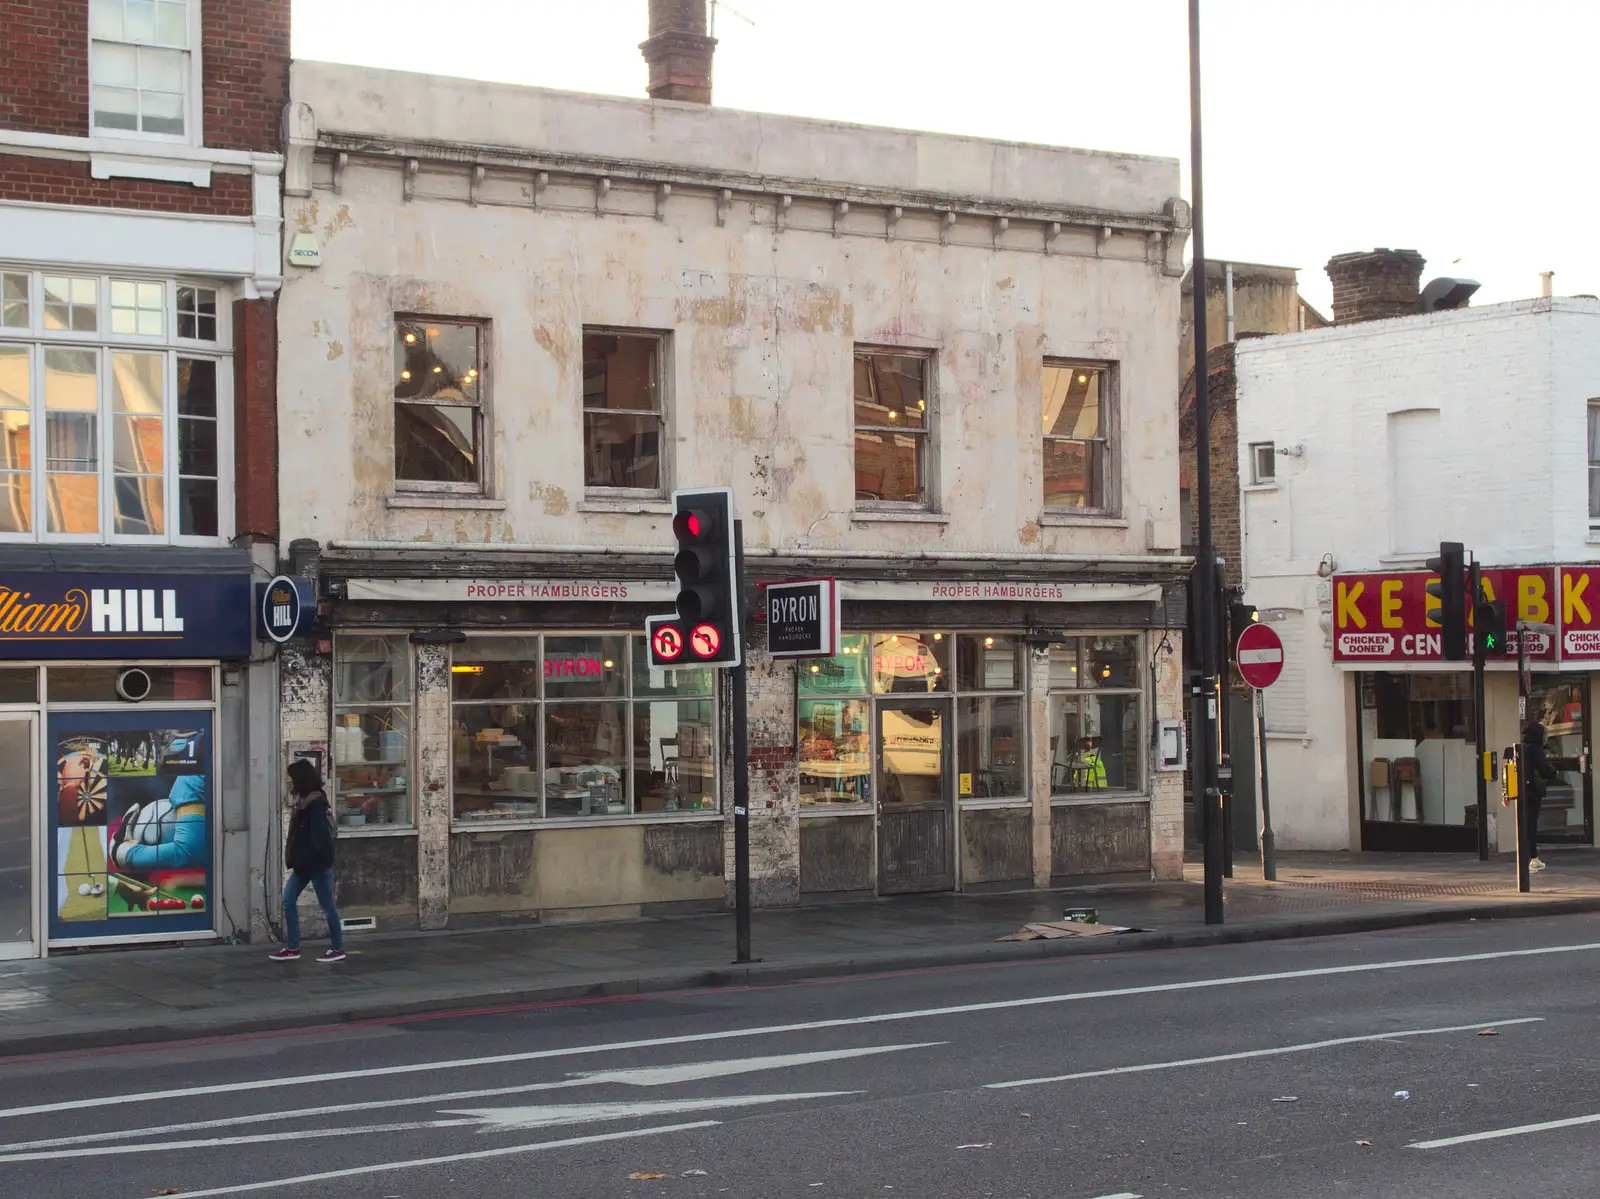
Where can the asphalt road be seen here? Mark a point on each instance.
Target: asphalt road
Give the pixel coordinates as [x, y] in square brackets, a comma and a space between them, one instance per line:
[1315, 1068]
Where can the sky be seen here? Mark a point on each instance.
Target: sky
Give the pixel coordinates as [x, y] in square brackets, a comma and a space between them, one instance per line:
[1459, 128]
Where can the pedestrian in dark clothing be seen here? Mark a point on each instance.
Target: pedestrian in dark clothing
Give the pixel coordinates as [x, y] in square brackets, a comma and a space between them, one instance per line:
[308, 853]
[1539, 774]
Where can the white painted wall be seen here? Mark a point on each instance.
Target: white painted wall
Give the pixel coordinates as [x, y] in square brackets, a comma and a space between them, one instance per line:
[1510, 384]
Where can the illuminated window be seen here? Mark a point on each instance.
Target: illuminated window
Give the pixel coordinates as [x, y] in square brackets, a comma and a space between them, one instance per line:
[438, 404]
[1076, 435]
[893, 413]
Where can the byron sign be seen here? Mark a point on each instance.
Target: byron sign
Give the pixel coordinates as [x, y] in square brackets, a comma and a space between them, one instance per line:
[803, 618]
[70, 615]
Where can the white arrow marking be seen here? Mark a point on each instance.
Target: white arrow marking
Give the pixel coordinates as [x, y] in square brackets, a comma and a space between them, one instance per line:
[647, 1076]
[583, 1113]
[729, 1034]
[264, 1138]
[1495, 1134]
[279, 1184]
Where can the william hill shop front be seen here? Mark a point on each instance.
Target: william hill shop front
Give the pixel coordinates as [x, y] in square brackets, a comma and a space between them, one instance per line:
[111, 715]
[1414, 714]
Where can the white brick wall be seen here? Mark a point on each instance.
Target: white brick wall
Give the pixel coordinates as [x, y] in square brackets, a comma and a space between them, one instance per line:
[1511, 383]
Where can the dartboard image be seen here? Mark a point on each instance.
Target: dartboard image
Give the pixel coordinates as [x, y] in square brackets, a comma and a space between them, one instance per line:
[81, 773]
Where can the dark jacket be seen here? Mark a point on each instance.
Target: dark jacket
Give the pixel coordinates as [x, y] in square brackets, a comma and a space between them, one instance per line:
[1538, 767]
[309, 849]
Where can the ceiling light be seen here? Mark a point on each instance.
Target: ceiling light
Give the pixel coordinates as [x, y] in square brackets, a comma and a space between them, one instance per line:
[609, 663]
[405, 374]
[438, 370]
[433, 333]
[938, 636]
[815, 669]
[893, 415]
[989, 641]
[1083, 378]
[411, 339]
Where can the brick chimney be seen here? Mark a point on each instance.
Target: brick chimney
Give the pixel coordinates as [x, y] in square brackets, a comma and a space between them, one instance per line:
[1373, 285]
[679, 51]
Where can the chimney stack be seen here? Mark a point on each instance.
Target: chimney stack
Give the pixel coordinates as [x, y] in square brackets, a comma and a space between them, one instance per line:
[1373, 285]
[679, 51]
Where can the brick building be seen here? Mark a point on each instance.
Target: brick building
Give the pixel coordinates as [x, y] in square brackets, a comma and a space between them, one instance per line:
[140, 258]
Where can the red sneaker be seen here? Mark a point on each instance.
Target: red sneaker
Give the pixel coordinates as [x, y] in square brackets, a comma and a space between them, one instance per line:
[285, 955]
[330, 956]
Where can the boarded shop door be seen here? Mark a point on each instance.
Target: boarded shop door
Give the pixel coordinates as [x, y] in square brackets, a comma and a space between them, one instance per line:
[916, 842]
[18, 916]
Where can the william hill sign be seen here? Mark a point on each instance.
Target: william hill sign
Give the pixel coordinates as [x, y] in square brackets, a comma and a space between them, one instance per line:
[90, 616]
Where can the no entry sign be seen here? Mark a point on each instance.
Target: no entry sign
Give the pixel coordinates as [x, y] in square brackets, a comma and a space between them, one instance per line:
[1260, 656]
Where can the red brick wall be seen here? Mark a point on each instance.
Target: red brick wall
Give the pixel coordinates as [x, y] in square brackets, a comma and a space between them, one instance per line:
[255, 391]
[59, 181]
[44, 69]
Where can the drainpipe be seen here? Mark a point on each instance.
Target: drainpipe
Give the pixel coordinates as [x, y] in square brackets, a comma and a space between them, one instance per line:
[1227, 290]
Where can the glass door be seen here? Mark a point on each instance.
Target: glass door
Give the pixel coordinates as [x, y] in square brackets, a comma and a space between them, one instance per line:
[1560, 703]
[916, 834]
[18, 911]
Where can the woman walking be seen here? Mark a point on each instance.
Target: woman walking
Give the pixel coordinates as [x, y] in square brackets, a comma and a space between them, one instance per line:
[308, 853]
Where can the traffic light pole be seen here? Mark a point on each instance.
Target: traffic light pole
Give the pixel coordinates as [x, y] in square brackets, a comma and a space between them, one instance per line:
[741, 768]
[1479, 653]
[1203, 620]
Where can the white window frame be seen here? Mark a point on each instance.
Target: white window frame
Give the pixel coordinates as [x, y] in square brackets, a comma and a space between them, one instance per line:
[38, 339]
[1258, 477]
[1108, 503]
[193, 101]
[1590, 413]
[483, 428]
[928, 434]
[663, 340]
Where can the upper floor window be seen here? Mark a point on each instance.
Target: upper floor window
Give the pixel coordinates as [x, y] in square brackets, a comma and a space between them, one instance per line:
[622, 410]
[1263, 462]
[1594, 461]
[1077, 429]
[438, 404]
[893, 412]
[143, 64]
[129, 405]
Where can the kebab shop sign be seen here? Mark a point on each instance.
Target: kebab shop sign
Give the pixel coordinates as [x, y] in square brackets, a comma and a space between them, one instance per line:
[1392, 618]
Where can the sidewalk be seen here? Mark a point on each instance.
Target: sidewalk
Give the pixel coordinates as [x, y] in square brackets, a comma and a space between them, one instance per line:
[133, 996]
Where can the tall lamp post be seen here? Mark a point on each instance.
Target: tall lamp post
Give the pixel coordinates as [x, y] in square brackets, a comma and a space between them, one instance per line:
[1203, 617]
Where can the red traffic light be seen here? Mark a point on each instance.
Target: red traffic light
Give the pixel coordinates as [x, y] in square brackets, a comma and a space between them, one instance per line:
[694, 524]
[705, 640]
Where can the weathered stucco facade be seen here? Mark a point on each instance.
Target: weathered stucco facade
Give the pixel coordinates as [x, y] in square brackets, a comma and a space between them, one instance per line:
[762, 253]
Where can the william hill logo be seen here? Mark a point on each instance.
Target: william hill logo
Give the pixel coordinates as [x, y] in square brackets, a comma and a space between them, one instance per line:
[113, 611]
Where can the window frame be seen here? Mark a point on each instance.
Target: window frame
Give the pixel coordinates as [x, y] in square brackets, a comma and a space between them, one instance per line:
[482, 406]
[194, 85]
[1109, 440]
[1259, 478]
[37, 340]
[1139, 690]
[331, 779]
[1592, 414]
[663, 340]
[629, 699]
[927, 441]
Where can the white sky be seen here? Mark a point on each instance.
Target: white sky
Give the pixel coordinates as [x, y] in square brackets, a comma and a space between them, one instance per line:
[1459, 128]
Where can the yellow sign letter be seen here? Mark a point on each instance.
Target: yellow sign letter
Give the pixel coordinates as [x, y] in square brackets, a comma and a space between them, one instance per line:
[1346, 612]
[1389, 604]
[1532, 602]
[1572, 598]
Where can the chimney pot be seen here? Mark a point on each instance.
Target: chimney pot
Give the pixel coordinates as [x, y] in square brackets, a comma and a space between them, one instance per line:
[679, 51]
[1374, 285]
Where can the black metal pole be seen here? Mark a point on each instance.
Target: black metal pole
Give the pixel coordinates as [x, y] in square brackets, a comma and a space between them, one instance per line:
[1203, 621]
[1269, 847]
[741, 768]
[1524, 775]
[1480, 723]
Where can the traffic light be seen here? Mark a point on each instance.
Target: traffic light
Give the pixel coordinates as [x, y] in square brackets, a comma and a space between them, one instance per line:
[706, 629]
[1489, 629]
[1240, 617]
[1451, 591]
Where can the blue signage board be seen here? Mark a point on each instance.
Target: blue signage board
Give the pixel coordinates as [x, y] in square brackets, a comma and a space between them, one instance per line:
[285, 608]
[86, 616]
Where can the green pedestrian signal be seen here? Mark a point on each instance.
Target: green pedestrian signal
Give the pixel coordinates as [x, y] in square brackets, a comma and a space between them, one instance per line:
[1489, 628]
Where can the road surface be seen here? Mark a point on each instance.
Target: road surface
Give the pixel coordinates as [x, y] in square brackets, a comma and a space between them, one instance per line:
[1359, 1066]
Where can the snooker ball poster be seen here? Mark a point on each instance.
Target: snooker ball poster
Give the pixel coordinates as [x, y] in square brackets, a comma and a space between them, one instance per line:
[130, 823]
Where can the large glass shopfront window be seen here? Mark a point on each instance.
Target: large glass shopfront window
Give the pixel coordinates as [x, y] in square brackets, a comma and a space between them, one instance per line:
[372, 730]
[1417, 749]
[1096, 715]
[1560, 703]
[577, 725]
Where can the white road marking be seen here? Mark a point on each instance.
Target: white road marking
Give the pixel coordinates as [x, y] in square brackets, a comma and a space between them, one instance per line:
[1120, 1195]
[264, 1138]
[447, 1159]
[1250, 1053]
[549, 1116]
[963, 1009]
[646, 1076]
[1496, 1133]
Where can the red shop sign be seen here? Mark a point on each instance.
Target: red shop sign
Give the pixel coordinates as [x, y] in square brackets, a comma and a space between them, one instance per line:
[1390, 617]
[1580, 612]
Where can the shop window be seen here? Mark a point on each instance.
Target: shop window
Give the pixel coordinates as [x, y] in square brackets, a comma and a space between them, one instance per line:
[142, 72]
[892, 417]
[19, 685]
[372, 730]
[1417, 750]
[1077, 424]
[834, 723]
[577, 726]
[1096, 715]
[98, 684]
[438, 404]
[133, 431]
[910, 663]
[991, 758]
[622, 410]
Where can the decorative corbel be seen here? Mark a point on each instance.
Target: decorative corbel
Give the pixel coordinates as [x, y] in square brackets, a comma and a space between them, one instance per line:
[724, 205]
[1051, 232]
[410, 185]
[541, 180]
[893, 219]
[476, 185]
[340, 161]
[663, 193]
[840, 208]
[1103, 240]
[784, 204]
[602, 186]
[1153, 244]
[946, 223]
[1001, 224]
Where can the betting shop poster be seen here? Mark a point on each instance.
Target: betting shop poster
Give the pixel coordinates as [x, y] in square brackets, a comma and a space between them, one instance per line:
[130, 823]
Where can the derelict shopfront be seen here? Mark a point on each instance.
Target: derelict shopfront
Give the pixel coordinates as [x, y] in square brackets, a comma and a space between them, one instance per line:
[112, 707]
[1414, 720]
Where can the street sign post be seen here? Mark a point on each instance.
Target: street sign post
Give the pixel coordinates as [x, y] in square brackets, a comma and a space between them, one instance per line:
[1260, 658]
